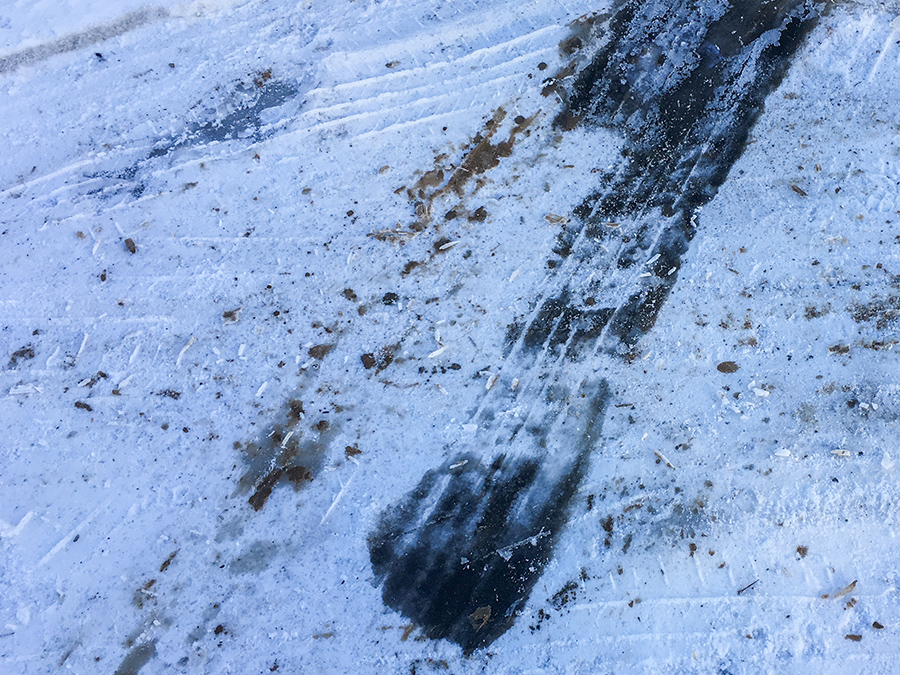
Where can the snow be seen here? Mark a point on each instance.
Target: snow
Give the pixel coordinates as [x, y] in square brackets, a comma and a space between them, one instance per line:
[253, 154]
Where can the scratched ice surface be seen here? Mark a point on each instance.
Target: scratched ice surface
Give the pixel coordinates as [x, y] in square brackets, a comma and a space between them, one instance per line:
[391, 337]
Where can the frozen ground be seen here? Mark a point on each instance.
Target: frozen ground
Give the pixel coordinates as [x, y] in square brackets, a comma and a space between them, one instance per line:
[217, 270]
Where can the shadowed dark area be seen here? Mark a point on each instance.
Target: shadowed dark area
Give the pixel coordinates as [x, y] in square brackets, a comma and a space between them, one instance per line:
[684, 83]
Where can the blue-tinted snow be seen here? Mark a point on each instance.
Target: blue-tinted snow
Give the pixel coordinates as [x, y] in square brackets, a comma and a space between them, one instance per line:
[783, 471]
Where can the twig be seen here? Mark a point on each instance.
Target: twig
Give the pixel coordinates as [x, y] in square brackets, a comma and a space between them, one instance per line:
[748, 586]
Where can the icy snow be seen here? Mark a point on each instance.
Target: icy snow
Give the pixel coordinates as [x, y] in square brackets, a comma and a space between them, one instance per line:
[132, 382]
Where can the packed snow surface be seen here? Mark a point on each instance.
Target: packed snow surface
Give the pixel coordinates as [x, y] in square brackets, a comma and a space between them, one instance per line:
[273, 274]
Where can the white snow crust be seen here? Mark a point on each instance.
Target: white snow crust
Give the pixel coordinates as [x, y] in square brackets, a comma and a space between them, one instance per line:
[777, 480]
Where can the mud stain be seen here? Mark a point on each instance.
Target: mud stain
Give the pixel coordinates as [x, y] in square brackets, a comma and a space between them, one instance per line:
[291, 451]
[296, 462]
[882, 311]
[381, 358]
[26, 353]
[483, 153]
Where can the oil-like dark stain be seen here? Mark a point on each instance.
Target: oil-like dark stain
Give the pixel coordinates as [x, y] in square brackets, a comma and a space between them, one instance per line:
[684, 84]
[686, 114]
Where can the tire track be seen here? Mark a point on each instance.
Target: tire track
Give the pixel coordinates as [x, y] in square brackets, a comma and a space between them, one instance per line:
[450, 556]
[86, 38]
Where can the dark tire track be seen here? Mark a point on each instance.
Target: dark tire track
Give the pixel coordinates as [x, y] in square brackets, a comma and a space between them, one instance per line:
[461, 553]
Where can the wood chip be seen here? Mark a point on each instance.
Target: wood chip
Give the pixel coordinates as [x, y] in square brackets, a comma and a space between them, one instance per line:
[845, 591]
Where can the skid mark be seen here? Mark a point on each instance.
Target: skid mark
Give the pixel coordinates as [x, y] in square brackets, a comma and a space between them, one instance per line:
[416, 111]
[75, 532]
[234, 126]
[686, 117]
[408, 108]
[480, 37]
